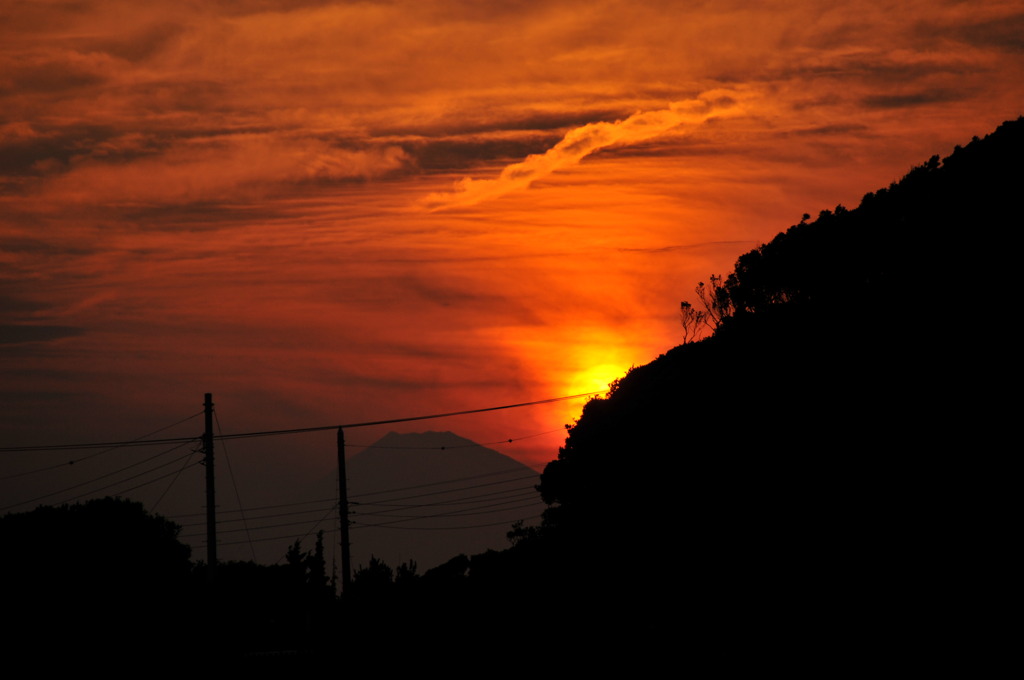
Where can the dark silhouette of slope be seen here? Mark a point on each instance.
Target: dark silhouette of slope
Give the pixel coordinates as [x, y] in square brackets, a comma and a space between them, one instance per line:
[429, 496]
[808, 473]
[97, 580]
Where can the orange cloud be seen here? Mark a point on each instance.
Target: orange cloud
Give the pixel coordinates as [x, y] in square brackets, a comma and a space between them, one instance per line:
[576, 145]
[215, 168]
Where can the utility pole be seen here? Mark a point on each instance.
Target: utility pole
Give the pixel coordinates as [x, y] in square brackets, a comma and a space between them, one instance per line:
[211, 505]
[346, 558]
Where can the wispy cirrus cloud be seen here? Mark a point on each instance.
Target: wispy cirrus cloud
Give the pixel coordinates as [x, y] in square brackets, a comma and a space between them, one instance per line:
[220, 168]
[580, 143]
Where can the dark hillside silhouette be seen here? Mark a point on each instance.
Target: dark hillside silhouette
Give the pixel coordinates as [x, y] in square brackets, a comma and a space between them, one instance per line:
[103, 578]
[809, 466]
[105, 582]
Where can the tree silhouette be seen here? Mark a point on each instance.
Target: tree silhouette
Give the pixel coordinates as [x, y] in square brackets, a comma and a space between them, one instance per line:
[106, 561]
[804, 460]
[375, 578]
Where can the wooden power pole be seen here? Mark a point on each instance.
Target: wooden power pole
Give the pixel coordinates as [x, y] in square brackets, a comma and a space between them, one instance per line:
[346, 558]
[211, 505]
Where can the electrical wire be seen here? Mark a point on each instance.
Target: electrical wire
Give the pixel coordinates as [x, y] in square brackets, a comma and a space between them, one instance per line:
[270, 433]
[502, 497]
[263, 507]
[301, 430]
[135, 476]
[468, 500]
[275, 538]
[103, 476]
[152, 481]
[112, 447]
[226, 522]
[174, 481]
[388, 514]
[258, 528]
[234, 485]
[462, 511]
[456, 446]
[447, 481]
[458, 528]
[462, 488]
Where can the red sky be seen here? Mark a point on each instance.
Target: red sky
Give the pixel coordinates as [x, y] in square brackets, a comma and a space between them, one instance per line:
[329, 212]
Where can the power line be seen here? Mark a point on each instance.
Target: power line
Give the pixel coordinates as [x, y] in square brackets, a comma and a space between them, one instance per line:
[349, 426]
[262, 507]
[234, 484]
[391, 525]
[154, 481]
[319, 501]
[517, 493]
[301, 430]
[456, 446]
[184, 466]
[393, 513]
[290, 537]
[112, 447]
[447, 481]
[254, 518]
[477, 502]
[136, 476]
[503, 496]
[445, 491]
[105, 475]
[246, 529]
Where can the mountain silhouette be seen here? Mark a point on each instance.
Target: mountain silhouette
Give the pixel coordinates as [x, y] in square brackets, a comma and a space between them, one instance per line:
[430, 496]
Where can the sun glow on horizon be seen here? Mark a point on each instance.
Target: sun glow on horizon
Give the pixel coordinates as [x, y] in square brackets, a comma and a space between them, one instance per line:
[593, 380]
[596, 378]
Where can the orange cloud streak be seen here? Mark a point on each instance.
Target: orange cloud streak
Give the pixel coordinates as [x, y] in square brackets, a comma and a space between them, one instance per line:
[580, 143]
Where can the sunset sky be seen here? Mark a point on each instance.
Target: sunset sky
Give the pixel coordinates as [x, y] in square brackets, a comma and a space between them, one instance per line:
[331, 212]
